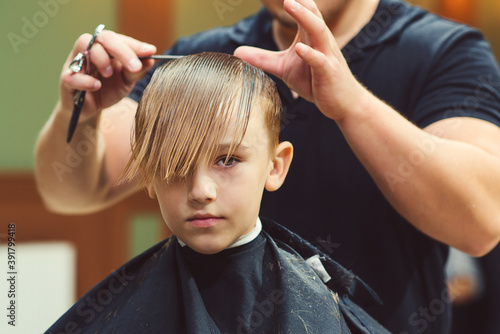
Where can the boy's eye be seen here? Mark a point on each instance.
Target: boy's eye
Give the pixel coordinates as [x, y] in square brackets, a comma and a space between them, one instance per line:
[225, 161]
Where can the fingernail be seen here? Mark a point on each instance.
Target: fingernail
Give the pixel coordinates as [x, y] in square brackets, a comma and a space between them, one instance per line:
[302, 49]
[148, 48]
[134, 65]
[295, 5]
[97, 84]
[108, 71]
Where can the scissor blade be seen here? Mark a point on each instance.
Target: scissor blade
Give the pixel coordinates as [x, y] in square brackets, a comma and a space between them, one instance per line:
[77, 108]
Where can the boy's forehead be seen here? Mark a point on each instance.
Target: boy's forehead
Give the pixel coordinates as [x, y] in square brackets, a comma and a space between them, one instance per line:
[255, 133]
[253, 142]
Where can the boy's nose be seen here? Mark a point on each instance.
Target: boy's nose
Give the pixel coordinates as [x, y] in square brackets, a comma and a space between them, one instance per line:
[202, 187]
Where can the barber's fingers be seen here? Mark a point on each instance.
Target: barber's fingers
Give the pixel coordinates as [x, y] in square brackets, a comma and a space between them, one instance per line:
[79, 81]
[109, 44]
[308, 18]
[315, 59]
[140, 48]
[312, 27]
[111, 53]
[268, 61]
[311, 6]
[125, 49]
[101, 61]
[80, 45]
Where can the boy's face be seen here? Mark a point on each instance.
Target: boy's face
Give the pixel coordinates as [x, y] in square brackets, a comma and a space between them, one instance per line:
[218, 203]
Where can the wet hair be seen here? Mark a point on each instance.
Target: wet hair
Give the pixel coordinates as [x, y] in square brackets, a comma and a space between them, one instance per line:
[188, 107]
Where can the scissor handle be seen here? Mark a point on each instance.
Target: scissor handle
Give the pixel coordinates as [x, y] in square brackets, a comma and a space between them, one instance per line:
[77, 63]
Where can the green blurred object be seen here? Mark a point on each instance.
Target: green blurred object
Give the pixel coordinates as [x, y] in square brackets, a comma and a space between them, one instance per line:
[37, 37]
[144, 232]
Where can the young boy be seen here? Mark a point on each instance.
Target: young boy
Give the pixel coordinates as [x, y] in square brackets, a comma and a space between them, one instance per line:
[206, 146]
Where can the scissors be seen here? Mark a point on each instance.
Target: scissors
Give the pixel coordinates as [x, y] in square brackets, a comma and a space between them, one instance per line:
[81, 59]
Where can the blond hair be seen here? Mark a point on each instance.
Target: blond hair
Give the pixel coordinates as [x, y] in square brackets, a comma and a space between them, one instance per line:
[187, 109]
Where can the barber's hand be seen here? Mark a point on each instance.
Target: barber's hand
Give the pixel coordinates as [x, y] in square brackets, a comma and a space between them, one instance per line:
[313, 66]
[112, 78]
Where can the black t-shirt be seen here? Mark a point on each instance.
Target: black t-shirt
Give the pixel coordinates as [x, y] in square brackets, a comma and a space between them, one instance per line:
[426, 68]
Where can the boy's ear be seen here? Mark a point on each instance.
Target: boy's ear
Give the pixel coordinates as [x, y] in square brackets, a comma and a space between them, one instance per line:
[151, 190]
[280, 165]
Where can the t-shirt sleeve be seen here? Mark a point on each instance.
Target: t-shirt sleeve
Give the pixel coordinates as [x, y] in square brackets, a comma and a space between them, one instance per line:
[464, 81]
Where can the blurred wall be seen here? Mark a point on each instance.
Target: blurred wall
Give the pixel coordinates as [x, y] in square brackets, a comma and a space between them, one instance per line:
[198, 15]
[36, 37]
[488, 20]
[484, 16]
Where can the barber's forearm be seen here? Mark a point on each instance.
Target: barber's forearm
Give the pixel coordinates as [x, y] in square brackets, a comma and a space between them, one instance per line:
[68, 175]
[445, 188]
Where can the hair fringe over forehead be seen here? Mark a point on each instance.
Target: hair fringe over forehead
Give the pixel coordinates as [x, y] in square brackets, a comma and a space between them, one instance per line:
[188, 107]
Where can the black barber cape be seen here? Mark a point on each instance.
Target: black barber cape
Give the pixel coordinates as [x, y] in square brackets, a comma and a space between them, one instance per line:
[264, 286]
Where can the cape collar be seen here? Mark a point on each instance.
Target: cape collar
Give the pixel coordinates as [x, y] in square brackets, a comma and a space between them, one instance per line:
[244, 239]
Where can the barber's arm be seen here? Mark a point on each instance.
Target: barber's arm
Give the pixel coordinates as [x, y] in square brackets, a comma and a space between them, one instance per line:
[80, 177]
[453, 195]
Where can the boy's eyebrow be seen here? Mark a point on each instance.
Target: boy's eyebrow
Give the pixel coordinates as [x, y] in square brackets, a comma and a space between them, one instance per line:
[227, 146]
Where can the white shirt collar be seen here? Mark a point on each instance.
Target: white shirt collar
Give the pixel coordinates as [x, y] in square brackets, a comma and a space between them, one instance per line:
[244, 239]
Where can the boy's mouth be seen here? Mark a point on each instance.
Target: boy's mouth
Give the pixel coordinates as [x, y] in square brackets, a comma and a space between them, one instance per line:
[203, 220]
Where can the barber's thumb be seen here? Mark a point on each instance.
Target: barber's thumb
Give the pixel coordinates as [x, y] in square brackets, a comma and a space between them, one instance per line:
[263, 59]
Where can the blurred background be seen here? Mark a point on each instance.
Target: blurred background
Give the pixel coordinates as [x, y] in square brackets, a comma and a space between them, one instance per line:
[64, 256]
